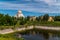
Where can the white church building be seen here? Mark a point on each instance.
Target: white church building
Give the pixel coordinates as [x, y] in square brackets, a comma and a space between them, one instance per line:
[19, 14]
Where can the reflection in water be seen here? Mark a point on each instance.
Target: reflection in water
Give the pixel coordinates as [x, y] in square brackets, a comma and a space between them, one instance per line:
[39, 37]
[54, 37]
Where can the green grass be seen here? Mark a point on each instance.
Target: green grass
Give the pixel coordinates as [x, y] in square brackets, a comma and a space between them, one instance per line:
[2, 38]
[44, 23]
[55, 24]
[35, 23]
[9, 37]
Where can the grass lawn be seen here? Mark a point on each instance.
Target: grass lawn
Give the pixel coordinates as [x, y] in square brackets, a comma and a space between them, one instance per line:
[2, 38]
[55, 23]
[9, 37]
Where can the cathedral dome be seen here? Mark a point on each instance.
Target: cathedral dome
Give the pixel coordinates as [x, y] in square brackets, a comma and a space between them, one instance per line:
[19, 11]
[19, 14]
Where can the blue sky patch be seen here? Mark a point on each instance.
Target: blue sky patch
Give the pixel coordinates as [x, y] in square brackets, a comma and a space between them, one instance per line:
[35, 6]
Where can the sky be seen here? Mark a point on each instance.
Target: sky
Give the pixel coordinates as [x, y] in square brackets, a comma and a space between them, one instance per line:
[30, 7]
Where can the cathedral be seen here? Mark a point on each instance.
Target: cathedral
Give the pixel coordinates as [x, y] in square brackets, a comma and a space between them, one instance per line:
[19, 14]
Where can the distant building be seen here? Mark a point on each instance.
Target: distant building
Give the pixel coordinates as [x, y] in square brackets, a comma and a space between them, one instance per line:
[32, 18]
[19, 14]
[41, 17]
[51, 19]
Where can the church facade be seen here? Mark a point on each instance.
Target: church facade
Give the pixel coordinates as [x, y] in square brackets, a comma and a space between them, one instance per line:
[19, 14]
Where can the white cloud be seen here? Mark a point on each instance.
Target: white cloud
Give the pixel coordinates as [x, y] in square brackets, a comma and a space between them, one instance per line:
[52, 2]
[33, 7]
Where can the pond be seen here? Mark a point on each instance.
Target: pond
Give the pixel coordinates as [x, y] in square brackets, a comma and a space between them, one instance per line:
[37, 34]
[40, 37]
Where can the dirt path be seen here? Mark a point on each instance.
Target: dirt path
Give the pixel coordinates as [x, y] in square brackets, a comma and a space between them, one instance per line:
[6, 31]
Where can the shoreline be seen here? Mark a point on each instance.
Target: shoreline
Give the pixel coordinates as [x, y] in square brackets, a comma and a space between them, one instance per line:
[7, 31]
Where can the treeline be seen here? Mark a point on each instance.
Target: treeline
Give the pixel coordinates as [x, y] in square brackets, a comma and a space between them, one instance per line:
[7, 20]
[57, 18]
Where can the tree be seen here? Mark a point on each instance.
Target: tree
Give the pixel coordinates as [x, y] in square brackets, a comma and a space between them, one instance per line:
[14, 20]
[28, 18]
[1, 19]
[8, 19]
[45, 17]
[38, 18]
[57, 18]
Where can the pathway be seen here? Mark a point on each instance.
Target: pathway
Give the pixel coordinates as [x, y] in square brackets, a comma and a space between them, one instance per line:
[6, 31]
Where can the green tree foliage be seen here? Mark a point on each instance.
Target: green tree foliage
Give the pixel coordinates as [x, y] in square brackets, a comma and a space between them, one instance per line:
[7, 21]
[28, 18]
[57, 18]
[45, 17]
[1, 19]
[38, 18]
[23, 21]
